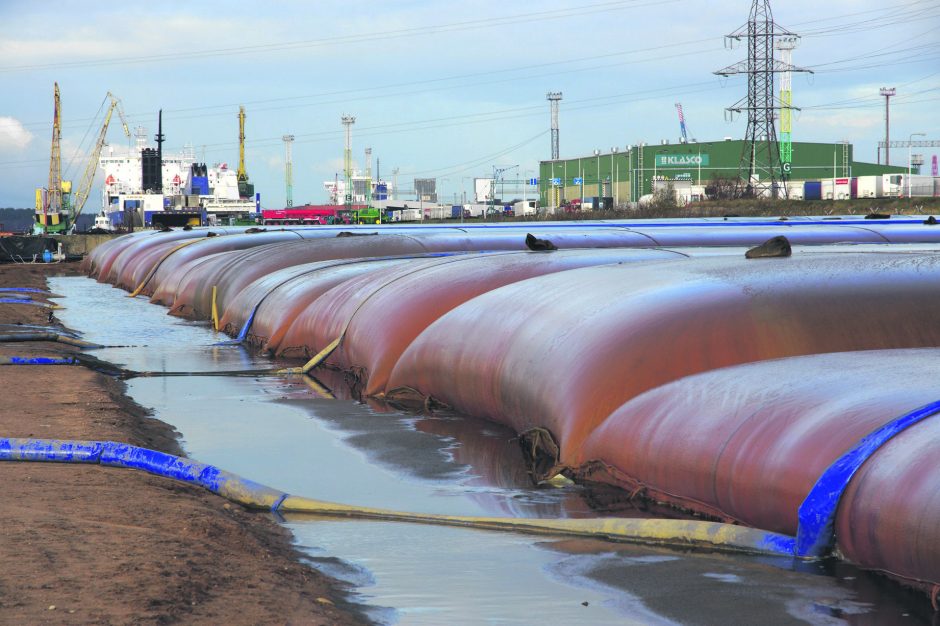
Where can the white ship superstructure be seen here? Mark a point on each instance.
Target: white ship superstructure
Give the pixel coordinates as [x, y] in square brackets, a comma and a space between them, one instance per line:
[364, 189]
[224, 199]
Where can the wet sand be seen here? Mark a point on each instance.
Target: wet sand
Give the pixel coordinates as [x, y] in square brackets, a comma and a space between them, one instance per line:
[86, 544]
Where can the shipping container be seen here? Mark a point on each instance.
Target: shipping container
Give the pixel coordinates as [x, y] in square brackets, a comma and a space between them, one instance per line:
[795, 190]
[870, 187]
[917, 186]
[525, 207]
[839, 189]
[891, 185]
[812, 190]
[474, 210]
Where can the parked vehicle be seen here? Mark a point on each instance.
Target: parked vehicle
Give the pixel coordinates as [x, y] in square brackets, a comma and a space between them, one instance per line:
[307, 214]
[525, 207]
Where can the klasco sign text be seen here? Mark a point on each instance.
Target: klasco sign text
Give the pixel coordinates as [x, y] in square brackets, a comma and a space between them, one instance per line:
[681, 160]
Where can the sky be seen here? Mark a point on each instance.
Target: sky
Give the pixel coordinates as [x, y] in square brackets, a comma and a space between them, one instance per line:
[445, 90]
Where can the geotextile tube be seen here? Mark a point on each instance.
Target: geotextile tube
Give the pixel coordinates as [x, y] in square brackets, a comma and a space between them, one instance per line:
[678, 533]
[140, 269]
[130, 275]
[323, 320]
[415, 295]
[603, 335]
[186, 288]
[274, 315]
[758, 439]
[280, 296]
[99, 262]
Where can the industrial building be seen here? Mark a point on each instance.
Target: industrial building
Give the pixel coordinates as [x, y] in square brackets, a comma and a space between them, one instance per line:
[628, 175]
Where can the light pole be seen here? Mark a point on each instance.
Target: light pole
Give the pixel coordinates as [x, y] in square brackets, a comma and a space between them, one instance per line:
[581, 178]
[613, 190]
[909, 142]
[597, 165]
[630, 167]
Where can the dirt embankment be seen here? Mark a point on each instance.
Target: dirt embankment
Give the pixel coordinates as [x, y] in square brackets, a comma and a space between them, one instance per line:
[87, 544]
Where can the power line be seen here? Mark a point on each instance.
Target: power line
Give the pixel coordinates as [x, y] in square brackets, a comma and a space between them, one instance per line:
[483, 23]
[371, 90]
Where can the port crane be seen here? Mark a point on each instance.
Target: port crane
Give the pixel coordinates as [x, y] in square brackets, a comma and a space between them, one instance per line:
[245, 188]
[88, 177]
[57, 208]
[682, 128]
[49, 201]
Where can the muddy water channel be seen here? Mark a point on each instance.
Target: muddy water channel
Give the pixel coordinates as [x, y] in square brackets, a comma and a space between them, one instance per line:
[289, 434]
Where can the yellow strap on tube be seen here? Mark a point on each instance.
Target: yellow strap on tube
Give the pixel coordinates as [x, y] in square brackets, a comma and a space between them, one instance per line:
[316, 360]
[215, 309]
[682, 533]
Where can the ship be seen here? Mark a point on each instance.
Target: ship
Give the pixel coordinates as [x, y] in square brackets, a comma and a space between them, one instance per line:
[146, 187]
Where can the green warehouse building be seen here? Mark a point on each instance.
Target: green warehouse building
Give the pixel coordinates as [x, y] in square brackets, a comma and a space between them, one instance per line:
[628, 175]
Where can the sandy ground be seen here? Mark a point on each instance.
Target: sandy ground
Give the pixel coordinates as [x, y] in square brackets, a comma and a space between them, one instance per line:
[87, 544]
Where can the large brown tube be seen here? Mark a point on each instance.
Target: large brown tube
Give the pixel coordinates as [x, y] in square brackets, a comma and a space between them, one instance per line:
[566, 350]
[747, 443]
[139, 267]
[106, 255]
[171, 267]
[191, 295]
[324, 318]
[391, 316]
[234, 279]
[889, 517]
[282, 296]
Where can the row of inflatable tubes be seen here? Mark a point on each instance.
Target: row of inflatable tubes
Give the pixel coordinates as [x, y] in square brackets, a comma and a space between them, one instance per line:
[654, 358]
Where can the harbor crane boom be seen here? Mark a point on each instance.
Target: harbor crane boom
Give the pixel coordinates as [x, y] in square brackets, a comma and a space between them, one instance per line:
[88, 177]
[682, 128]
[245, 188]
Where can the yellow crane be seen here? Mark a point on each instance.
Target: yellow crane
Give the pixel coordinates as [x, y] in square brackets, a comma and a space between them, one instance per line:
[245, 189]
[88, 177]
[49, 201]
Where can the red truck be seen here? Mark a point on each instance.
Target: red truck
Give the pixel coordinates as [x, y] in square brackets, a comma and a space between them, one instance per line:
[308, 214]
[572, 206]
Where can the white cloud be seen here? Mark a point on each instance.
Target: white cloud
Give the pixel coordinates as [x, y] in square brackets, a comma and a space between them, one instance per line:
[13, 136]
[74, 159]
